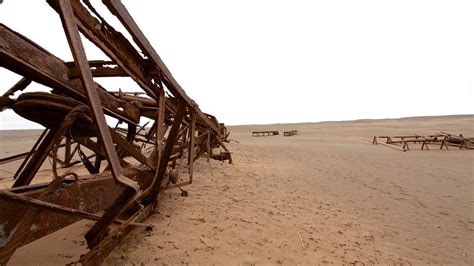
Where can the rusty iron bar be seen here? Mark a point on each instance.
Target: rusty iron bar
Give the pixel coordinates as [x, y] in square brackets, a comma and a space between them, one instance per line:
[36, 203]
[31, 168]
[192, 143]
[13, 158]
[89, 194]
[19, 86]
[28, 59]
[80, 58]
[165, 155]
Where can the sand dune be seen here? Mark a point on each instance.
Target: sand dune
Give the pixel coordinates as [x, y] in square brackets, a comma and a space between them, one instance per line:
[322, 196]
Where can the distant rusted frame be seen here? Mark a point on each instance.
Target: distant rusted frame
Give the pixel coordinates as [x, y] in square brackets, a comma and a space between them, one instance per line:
[290, 133]
[265, 133]
[443, 139]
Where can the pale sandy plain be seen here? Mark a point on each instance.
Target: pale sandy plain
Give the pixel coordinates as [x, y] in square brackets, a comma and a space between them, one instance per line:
[322, 196]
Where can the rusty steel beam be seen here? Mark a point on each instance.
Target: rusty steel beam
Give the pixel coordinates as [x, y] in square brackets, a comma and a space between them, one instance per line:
[19, 86]
[113, 44]
[89, 194]
[31, 152]
[192, 143]
[13, 158]
[97, 255]
[22, 56]
[77, 49]
[37, 159]
[167, 150]
[122, 52]
[60, 209]
[119, 10]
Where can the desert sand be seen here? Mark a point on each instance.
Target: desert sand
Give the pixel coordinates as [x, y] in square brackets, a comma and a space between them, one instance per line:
[322, 196]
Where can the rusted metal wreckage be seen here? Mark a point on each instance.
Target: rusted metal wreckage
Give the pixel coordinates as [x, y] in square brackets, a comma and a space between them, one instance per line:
[74, 115]
[273, 133]
[265, 133]
[443, 139]
[290, 133]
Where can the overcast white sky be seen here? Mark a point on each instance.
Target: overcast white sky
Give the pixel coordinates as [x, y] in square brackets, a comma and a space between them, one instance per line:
[271, 61]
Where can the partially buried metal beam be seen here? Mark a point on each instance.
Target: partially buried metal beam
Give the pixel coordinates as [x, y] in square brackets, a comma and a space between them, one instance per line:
[89, 194]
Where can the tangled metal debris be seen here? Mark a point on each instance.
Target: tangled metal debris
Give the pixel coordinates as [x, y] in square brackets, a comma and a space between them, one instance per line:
[74, 115]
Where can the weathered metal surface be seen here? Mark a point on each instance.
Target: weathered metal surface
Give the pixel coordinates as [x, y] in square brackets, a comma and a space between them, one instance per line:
[22, 56]
[90, 194]
[443, 139]
[80, 58]
[75, 110]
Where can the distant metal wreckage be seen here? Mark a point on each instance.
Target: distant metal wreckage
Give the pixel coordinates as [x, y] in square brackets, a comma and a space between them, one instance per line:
[290, 133]
[74, 115]
[265, 133]
[274, 133]
[443, 139]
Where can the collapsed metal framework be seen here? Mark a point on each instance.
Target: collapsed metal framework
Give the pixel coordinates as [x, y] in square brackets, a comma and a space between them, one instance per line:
[273, 133]
[74, 115]
[265, 133]
[442, 139]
